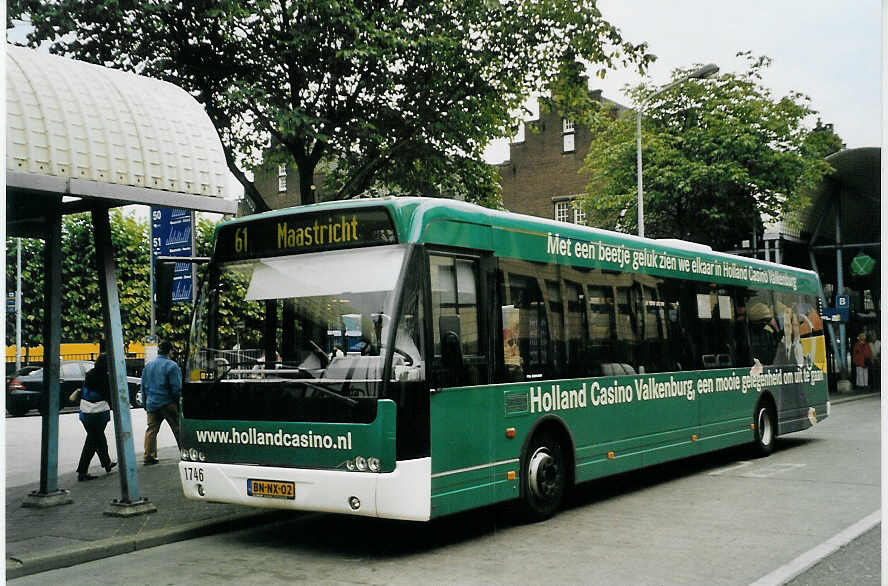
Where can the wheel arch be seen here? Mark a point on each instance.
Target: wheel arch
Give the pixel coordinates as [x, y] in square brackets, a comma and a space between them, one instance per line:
[558, 427]
[767, 398]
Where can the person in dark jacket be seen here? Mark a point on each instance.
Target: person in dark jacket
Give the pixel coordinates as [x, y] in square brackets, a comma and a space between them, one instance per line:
[95, 412]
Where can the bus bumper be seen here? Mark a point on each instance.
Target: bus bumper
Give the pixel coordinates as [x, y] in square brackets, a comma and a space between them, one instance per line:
[404, 493]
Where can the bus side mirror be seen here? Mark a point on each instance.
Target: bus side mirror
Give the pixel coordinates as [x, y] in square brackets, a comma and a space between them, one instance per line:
[163, 289]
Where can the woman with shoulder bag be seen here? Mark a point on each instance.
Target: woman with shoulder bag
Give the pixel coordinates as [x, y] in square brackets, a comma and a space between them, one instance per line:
[95, 412]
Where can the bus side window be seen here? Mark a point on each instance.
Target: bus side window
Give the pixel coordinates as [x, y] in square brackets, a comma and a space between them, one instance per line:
[741, 330]
[555, 318]
[527, 348]
[602, 325]
[764, 329]
[679, 305]
[455, 320]
[577, 330]
[654, 344]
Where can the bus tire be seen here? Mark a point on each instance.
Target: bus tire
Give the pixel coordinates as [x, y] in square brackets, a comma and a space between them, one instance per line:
[545, 476]
[765, 429]
[16, 410]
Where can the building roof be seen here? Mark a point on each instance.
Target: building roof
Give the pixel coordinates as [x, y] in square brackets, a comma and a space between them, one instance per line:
[855, 185]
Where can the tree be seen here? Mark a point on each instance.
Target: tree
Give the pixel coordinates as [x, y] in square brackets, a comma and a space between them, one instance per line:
[81, 302]
[823, 140]
[398, 96]
[718, 155]
[32, 290]
[82, 319]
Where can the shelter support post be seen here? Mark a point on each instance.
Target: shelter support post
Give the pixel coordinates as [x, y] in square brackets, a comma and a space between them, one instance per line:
[130, 502]
[49, 494]
[840, 290]
[830, 330]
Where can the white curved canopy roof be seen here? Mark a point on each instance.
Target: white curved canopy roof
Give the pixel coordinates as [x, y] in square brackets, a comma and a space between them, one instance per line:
[106, 133]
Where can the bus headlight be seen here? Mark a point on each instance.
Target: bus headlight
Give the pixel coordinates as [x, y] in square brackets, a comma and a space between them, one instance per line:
[362, 464]
[192, 453]
[184, 453]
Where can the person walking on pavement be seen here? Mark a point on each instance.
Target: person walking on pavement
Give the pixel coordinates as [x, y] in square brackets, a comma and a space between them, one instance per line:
[161, 387]
[862, 357]
[875, 351]
[95, 413]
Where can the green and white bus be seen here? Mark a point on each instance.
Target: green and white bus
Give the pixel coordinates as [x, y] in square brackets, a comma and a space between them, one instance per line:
[411, 358]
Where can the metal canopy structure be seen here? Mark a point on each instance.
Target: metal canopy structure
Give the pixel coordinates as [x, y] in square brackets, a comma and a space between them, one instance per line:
[845, 215]
[854, 188]
[79, 138]
[843, 219]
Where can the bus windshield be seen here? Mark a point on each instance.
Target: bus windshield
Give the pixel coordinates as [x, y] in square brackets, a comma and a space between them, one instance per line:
[320, 318]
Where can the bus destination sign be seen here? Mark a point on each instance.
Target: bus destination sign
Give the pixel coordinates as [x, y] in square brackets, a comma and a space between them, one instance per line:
[305, 232]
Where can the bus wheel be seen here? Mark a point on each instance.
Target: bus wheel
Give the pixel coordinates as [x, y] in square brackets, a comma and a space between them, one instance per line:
[765, 429]
[545, 477]
[16, 410]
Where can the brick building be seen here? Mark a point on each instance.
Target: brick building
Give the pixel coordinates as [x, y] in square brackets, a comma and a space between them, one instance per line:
[542, 176]
[279, 185]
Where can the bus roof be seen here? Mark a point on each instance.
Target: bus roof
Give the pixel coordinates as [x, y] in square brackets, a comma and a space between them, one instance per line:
[463, 225]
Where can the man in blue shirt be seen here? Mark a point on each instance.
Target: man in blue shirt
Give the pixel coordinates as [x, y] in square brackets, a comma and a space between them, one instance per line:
[161, 387]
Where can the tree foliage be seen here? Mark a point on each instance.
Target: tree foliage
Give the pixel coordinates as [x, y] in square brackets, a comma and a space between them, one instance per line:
[401, 96]
[81, 301]
[718, 154]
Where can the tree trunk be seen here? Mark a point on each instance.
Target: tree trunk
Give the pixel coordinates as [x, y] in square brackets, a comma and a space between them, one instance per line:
[307, 190]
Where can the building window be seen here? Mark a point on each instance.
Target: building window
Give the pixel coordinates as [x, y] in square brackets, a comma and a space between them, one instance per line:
[282, 178]
[567, 135]
[518, 138]
[568, 210]
[562, 211]
[579, 216]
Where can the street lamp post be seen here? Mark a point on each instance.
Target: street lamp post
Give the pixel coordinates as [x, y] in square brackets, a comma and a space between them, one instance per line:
[705, 71]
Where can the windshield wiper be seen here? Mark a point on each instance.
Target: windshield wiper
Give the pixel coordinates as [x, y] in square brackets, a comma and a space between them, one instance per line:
[286, 368]
[326, 391]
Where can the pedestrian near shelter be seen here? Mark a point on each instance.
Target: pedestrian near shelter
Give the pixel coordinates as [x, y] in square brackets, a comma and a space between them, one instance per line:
[82, 137]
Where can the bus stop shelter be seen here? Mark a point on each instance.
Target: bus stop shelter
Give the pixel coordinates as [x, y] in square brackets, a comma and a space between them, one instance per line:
[85, 138]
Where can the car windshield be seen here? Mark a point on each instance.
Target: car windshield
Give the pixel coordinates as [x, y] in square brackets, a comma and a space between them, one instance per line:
[323, 316]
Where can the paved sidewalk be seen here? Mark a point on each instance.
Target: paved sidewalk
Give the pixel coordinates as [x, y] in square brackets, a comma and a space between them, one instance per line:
[38, 540]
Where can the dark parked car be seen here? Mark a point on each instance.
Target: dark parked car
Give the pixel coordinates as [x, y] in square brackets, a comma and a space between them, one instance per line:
[24, 391]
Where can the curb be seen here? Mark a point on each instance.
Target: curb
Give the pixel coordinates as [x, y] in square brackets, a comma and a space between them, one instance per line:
[25, 565]
[847, 399]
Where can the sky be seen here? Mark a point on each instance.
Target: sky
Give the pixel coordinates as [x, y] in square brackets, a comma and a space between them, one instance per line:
[829, 51]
